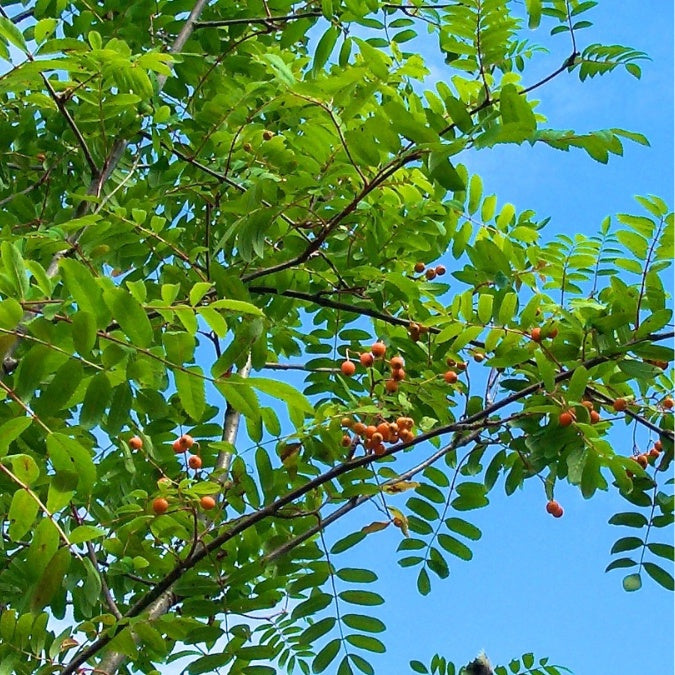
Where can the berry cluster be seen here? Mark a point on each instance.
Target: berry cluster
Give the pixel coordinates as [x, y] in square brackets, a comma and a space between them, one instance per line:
[374, 436]
[429, 272]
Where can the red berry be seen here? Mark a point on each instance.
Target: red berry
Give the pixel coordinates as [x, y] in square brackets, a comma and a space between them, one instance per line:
[668, 403]
[346, 441]
[450, 377]
[398, 374]
[620, 404]
[420, 267]
[595, 416]
[396, 362]
[654, 452]
[379, 349]
[566, 418]
[195, 462]
[391, 385]
[366, 359]
[348, 368]
[440, 270]
[554, 508]
[187, 441]
[535, 334]
[359, 428]
[553, 332]
[207, 502]
[430, 274]
[160, 505]
[658, 445]
[135, 443]
[178, 447]
[642, 460]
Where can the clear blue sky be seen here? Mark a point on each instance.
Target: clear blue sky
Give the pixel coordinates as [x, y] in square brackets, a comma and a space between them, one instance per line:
[538, 583]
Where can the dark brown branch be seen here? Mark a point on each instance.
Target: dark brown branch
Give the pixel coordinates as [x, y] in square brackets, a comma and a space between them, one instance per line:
[266, 20]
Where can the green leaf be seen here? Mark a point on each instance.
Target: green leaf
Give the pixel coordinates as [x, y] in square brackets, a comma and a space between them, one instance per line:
[84, 533]
[12, 262]
[10, 32]
[368, 624]
[629, 519]
[317, 630]
[626, 544]
[324, 48]
[454, 546]
[51, 579]
[96, 400]
[459, 114]
[577, 385]
[68, 456]
[284, 392]
[24, 467]
[130, 315]
[11, 430]
[357, 576]
[83, 289]
[314, 604]
[533, 12]
[23, 510]
[662, 550]
[442, 171]
[361, 597]
[423, 582]
[192, 390]
[464, 528]
[326, 656]
[661, 576]
[367, 642]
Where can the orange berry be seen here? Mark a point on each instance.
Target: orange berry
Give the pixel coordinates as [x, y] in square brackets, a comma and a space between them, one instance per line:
[178, 447]
[620, 404]
[391, 385]
[587, 404]
[535, 334]
[668, 403]
[566, 418]
[135, 443]
[359, 428]
[393, 428]
[377, 437]
[658, 445]
[186, 441]
[552, 506]
[406, 435]
[370, 430]
[346, 422]
[478, 357]
[379, 349]
[595, 416]
[346, 441]
[398, 374]
[379, 449]
[450, 377]
[654, 452]
[642, 460]
[430, 274]
[160, 505]
[207, 502]
[450, 362]
[396, 362]
[366, 359]
[440, 270]
[195, 462]
[384, 431]
[348, 368]
[419, 267]
[404, 423]
[461, 365]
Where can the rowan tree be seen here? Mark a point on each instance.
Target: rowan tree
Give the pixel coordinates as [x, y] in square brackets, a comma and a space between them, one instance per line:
[208, 210]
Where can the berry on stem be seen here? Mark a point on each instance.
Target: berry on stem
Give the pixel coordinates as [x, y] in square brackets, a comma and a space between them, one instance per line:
[430, 274]
[668, 403]
[440, 270]
[554, 508]
[391, 386]
[135, 443]
[379, 349]
[450, 377]
[595, 416]
[195, 462]
[366, 359]
[207, 502]
[535, 334]
[565, 419]
[396, 362]
[419, 267]
[160, 505]
[348, 368]
[620, 404]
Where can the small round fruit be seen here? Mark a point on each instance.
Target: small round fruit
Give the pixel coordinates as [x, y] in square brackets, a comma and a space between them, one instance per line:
[378, 449]
[267, 135]
[595, 416]
[178, 447]
[642, 460]
[396, 362]
[535, 334]
[419, 267]
[384, 430]
[160, 505]
[359, 428]
[41, 156]
[406, 435]
[658, 445]
[478, 357]
[461, 365]
[566, 418]
[430, 274]
[414, 332]
[366, 359]
[398, 374]
[370, 430]
[195, 462]
[552, 506]
[558, 512]
[668, 403]
[654, 452]
[247, 147]
[348, 368]
[346, 441]
[391, 386]
[377, 437]
[186, 441]
[207, 502]
[404, 423]
[379, 349]
[450, 362]
[450, 377]
[346, 422]
[135, 443]
[440, 270]
[620, 404]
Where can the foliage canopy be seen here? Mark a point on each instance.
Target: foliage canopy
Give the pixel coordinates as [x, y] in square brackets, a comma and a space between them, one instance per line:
[195, 196]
